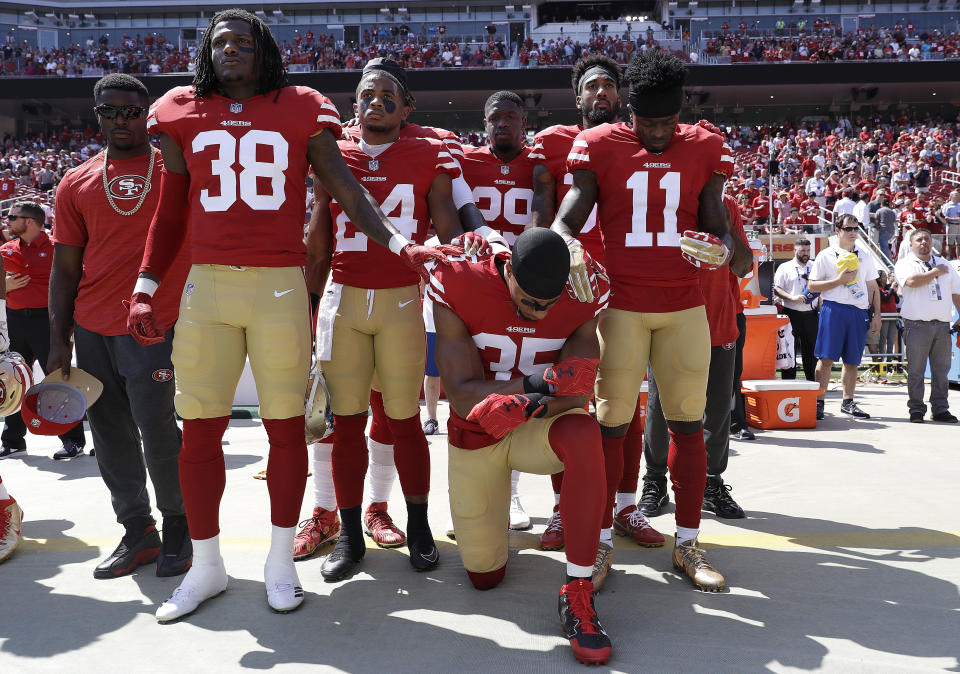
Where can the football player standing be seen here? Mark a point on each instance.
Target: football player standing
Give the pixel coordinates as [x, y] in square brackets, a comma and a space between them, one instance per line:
[655, 185]
[236, 148]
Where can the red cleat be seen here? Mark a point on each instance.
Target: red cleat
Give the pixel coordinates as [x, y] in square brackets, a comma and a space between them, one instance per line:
[322, 528]
[632, 522]
[552, 536]
[380, 527]
[589, 641]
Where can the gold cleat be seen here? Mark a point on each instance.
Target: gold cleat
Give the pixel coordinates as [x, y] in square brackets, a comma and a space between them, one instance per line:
[692, 560]
[601, 566]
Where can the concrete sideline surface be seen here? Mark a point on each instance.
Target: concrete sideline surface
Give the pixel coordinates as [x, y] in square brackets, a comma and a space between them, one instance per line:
[848, 562]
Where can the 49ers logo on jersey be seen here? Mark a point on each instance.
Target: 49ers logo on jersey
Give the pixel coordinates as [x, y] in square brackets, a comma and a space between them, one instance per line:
[128, 187]
[163, 375]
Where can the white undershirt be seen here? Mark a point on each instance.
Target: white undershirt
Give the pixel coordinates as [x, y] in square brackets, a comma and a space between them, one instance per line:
[375, 150]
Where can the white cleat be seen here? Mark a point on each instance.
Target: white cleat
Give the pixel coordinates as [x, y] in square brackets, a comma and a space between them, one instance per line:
[200, 583]
[519, 519]
[284, 592]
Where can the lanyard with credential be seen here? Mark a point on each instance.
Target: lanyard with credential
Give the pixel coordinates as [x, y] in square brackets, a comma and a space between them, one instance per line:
[929, 267]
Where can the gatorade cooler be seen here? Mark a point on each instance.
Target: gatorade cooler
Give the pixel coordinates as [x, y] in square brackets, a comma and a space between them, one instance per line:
[760, 346]
[642, 403]
[781, 403]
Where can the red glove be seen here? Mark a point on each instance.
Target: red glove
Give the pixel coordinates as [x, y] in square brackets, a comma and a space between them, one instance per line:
[416, 256]
[140, 320]
[498, 414]
[472, 244]
[709, 126]
[572, 377]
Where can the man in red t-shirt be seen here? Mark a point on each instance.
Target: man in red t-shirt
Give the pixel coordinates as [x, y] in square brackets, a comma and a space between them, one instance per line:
[99, 236]
[27, 262]
[8, 185]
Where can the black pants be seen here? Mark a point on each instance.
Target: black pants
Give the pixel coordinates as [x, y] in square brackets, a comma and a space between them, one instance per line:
[804, 325]
[738, 418]
[30, 337]
[716, 418]
[133, 422]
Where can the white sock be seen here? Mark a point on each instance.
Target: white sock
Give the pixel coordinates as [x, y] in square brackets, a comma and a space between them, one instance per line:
[207, 551]
[606, 536]
[324, 495]
[382, 473]
[556, 499]
[625, 500]
[577, 571]
[684, 534]
[3, 492]
[514, 480]
[279, 566]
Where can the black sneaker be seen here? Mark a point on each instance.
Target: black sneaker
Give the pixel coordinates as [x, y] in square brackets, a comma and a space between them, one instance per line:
[6, 451]
[916, 417]
[578, 617]
[140, 545]
[820, 413]
[944, 417]
[177, 554]
[654, 496]
[853, 409]
[717, 499]
[743, 434]
[70, 450]
[431, 427]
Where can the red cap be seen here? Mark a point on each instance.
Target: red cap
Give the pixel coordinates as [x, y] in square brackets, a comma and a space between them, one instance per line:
[53, 408]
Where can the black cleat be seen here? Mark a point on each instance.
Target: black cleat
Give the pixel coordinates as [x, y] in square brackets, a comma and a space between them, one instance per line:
[717, 499]
[140, 545]
[654, 496]
[177, 554]
[578, 617]
[424, 555]
[344, 559]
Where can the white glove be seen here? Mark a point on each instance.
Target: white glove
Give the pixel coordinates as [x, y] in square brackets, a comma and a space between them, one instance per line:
[702, 250]
[4, 333]
[579, 273]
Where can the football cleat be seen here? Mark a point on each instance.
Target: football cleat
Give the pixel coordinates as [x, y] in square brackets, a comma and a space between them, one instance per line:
[379, 526]
[692, 560]
[602, 565]
[11, 517]
[631, 522]
[519, 519]
[578, 617]
[552, 536]
[322, 528]
[202, 582]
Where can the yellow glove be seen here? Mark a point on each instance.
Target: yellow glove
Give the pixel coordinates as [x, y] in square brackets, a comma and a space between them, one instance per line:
[848, 261]
[579, 274]
[702, 250]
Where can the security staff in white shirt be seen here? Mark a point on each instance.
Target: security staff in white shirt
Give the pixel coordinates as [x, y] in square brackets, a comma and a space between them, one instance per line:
[846, 295]
[790, 285]
[931, 288]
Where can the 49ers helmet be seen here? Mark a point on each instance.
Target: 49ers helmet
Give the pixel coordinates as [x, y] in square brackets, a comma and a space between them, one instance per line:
[319, 420]
[15, 378]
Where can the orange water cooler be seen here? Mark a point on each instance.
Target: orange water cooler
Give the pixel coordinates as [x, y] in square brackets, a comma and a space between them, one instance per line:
[781, 403]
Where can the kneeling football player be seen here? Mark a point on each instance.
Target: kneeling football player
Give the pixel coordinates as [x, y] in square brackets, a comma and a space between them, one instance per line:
[517, 354]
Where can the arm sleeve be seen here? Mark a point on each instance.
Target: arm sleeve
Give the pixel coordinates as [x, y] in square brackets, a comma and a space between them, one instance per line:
[168, 228]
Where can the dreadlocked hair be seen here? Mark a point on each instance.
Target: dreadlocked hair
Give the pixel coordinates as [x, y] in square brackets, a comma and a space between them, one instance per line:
[272, 73]
[655, 70]
[584, 64]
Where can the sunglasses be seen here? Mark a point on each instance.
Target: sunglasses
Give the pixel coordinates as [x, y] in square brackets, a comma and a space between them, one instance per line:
[19, 217]
[127, 111]
[848, 229]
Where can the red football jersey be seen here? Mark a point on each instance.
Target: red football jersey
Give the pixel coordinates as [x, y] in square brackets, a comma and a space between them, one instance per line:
[248, 164]
[399, 178]
[551, 148]
[113, 244]
[645, 202]
[502, 191]
[510, 347]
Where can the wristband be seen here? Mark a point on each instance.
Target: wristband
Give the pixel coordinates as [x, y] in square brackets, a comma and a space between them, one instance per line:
[146, 286]
[535, 383]
[462, 194]
[397, 242]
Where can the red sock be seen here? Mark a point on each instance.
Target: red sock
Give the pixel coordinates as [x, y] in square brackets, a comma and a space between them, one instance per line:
[411, 454]
[203, 474]
[575, 439]
[613, 460]
[632, 452]
[286, 469]
[557, 480]
[349, 459]
[687, 462]
[379, 426]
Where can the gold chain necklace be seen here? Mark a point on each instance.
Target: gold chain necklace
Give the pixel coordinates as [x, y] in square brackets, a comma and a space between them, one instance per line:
[146, 188]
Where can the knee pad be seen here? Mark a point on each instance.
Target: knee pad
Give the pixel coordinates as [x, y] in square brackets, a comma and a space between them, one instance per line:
[188, 406]
[281, 405]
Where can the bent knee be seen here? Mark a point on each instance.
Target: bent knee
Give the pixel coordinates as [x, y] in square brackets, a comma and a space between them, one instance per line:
[487, 580]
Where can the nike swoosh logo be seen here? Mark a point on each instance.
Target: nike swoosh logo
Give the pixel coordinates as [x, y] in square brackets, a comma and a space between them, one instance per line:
[432, 557]
[403, 304]
[285, 292]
